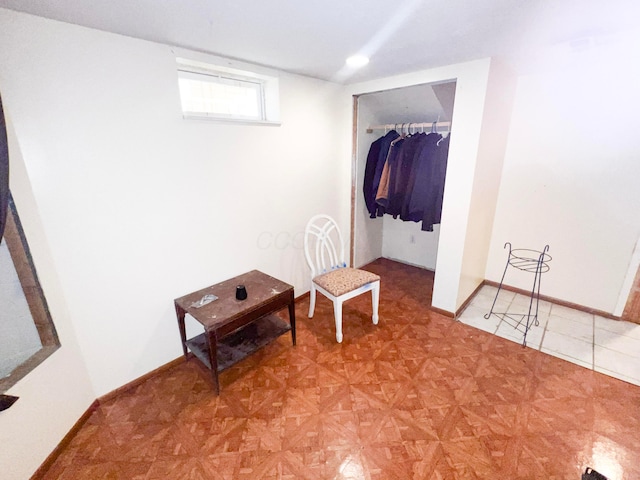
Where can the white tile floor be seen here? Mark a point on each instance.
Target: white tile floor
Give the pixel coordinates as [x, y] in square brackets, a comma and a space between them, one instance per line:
[608, 346]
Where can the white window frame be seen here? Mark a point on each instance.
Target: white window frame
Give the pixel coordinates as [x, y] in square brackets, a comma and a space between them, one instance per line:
[265, 87]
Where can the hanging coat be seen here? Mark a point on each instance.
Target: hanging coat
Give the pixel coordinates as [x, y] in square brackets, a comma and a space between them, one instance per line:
[373, 169]
[433, 212]
[420, 180]
[382, 196]
[400, 174]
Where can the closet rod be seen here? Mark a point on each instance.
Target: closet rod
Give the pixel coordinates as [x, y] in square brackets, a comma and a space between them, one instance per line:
[391, 126]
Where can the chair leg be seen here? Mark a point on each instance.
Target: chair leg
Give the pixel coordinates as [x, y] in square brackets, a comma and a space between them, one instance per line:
[375, 300]
[312, 300]
[337, 311]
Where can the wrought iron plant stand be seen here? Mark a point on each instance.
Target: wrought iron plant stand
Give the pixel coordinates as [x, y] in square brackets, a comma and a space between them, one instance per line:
[526, 260]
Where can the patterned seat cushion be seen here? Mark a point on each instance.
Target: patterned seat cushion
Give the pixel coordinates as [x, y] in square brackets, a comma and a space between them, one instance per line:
[344, 280]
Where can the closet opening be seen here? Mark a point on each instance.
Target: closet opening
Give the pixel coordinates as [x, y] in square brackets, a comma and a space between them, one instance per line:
[401, 139]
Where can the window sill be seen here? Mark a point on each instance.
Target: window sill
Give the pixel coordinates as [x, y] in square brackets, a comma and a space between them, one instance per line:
[27, 366]
[232, 121]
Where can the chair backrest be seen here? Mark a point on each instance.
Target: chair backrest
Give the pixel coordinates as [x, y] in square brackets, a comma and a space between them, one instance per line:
[323, 246]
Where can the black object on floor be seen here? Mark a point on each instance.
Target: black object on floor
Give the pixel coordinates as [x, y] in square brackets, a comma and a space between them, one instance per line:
[591, 474]
[6, 401]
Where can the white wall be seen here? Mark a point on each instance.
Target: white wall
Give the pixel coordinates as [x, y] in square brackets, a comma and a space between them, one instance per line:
[486, 183]
[139, 206]
[407, 243]
[54, 395]
[471, 88]
[571, 171]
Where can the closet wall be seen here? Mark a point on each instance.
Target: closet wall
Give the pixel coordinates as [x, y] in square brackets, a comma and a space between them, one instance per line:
[385, 236]
[475, 158]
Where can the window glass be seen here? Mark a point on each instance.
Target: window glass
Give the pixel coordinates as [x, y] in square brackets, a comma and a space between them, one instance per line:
[221, 95]
[27, 330]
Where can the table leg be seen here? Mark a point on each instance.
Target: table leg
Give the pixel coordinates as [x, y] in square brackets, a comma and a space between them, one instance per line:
[183, 335]
[212, 339]
[292, 319]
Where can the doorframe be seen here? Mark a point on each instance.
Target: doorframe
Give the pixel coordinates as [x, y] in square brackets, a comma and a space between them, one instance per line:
[628, 306]
[632, 308]
[354, 165]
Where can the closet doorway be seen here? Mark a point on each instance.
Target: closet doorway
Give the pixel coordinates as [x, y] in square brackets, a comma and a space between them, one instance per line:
[411, 110]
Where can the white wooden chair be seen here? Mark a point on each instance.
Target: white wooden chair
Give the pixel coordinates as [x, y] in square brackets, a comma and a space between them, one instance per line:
[324, 251]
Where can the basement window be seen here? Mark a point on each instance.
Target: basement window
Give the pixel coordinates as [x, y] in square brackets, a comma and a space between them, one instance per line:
[225, 94]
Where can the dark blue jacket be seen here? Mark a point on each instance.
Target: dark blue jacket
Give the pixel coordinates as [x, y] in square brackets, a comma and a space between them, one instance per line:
[373, 170]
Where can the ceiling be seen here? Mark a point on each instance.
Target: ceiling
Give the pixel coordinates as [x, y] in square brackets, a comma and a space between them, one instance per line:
[415, 104]
[314, 38]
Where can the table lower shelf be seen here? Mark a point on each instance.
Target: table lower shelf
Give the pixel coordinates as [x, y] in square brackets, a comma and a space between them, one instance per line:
[241, 343]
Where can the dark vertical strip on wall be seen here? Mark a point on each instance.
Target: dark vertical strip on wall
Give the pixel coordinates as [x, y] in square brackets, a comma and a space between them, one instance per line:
[4, 172]
[5, 400]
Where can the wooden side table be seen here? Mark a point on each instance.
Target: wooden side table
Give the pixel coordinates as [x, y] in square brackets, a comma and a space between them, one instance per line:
[236, 328]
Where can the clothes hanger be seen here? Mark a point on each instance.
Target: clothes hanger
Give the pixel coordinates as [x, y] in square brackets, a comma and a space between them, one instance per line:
[395, 128]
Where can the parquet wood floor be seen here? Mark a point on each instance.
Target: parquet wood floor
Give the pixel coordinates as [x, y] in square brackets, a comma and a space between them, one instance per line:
[417, 396]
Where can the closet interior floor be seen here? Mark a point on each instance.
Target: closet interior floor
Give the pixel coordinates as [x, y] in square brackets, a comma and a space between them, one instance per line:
[418, 396]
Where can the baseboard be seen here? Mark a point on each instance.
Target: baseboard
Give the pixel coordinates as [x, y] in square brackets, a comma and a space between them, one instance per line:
[446, 313]
[140, 380]
[557, 301]
[405, 262]
[527, 293]
[468, 300]
[64, 443]
[304, 296]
